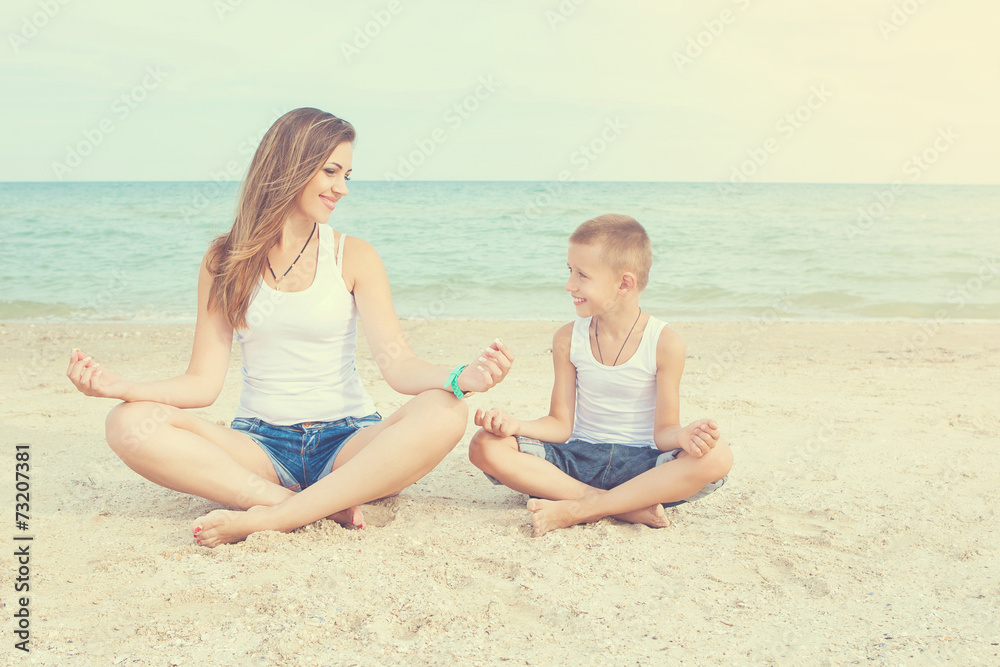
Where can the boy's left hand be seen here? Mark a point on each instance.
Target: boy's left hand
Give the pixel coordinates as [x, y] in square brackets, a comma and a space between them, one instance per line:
[497, 422]
[699, 437]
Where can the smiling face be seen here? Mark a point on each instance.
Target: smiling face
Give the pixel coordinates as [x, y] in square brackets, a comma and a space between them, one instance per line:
[592, 283]
[319, 197]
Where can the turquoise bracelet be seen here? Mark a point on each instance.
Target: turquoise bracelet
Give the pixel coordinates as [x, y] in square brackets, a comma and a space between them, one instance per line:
[452, 382]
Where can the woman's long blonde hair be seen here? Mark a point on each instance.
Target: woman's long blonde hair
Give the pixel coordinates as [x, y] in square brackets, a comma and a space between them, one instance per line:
[293, 150]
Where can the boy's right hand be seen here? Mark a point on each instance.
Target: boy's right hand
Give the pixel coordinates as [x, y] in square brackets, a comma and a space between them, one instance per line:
[497, 422]
[699, 437]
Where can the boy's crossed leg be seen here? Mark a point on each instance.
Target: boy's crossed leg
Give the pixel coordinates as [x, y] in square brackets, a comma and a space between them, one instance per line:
[502, 459]
[638, 500]
[673, 481]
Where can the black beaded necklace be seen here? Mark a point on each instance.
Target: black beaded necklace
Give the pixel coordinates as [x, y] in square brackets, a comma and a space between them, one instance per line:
[278, 280]
[598, 340]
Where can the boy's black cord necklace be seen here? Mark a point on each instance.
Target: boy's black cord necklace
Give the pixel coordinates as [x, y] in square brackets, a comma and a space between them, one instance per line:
[276, 278]
[598, 340]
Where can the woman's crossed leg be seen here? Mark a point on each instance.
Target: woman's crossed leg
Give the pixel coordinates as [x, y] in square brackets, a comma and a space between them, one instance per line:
[380, 460]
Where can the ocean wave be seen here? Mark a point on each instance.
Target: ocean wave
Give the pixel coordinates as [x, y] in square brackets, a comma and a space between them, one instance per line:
[462, 249]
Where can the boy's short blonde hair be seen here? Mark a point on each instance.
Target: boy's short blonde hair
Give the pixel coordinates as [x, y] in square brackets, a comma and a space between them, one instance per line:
[623, 244]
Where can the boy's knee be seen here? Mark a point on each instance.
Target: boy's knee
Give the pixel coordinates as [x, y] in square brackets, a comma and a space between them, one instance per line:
[477, 448]
[484, 447]
[719, 461]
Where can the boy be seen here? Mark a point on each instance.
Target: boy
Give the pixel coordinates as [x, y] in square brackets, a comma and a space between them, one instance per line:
[612, 444]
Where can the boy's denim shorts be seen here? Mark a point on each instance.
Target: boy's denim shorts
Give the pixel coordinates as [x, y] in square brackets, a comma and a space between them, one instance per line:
[605, 465]
[303, 454]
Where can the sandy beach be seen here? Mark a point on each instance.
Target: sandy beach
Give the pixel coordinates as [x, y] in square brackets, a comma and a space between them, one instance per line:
[859, 523]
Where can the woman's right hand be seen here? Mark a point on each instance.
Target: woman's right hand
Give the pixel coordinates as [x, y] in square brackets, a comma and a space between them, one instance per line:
[489, 370]
[93, 379]
[497, 422]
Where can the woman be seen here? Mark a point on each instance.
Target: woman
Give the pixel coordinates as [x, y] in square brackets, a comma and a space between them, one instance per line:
[307, 442]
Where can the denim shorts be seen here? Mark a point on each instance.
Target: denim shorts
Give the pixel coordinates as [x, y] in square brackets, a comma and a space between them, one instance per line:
[605, 465]
[303, 454]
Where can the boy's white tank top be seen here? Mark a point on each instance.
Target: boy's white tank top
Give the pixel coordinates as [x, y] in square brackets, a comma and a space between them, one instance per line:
[615, 404]
[298, 348]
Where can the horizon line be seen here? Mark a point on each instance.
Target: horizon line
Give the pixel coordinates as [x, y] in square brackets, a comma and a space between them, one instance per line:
[518, 180]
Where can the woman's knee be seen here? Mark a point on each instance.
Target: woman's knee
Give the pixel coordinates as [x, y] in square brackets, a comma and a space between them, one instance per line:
[130, 425]
[452, 412]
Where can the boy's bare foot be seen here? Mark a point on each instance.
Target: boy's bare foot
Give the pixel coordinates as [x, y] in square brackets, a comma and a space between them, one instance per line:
[652, 516]
[350, 518]
[225, 526]
[549, 515]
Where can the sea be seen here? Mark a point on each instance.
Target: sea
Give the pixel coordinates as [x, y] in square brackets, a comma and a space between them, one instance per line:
[130, 251]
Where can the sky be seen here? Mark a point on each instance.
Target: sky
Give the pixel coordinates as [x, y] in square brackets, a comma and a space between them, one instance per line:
[856, 91]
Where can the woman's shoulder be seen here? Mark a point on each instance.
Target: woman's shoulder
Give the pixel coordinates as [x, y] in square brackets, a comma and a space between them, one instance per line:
[359, 254]
[362, 264]
[357, 244]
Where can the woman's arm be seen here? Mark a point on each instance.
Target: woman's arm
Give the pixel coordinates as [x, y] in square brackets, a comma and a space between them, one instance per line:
[557, 426]
[200, 384]
[366, 277]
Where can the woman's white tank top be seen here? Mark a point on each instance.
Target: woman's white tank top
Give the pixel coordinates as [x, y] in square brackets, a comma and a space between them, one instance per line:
[615, 404]
[298, 348]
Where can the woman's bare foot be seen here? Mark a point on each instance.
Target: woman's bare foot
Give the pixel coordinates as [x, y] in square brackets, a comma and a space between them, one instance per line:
[228, 526]
[350, 518]
[652, 516]
[225, 526]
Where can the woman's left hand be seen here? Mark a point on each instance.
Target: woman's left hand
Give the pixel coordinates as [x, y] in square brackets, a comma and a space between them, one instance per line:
[490, 368]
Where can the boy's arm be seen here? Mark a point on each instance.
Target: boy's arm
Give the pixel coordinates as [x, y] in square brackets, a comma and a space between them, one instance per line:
[669, 366]
[557, 426]
[698, 437]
